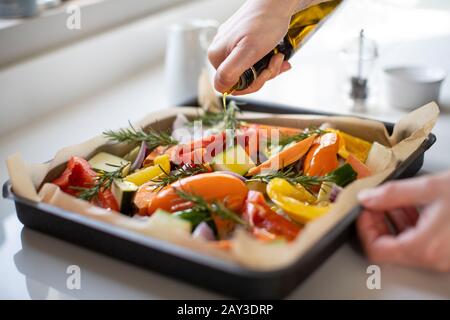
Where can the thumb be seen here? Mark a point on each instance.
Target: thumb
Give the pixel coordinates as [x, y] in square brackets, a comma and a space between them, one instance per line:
[396, 194]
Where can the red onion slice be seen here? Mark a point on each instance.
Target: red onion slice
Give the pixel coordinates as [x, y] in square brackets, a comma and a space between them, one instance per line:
[203, 231]
[140, 157]
[335, 190]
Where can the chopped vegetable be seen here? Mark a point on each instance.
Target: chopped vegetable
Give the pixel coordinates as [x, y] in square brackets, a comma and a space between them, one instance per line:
[278, 185]
[325, 192]
[299, 171]
[322, 158]
[108, 162]
[137, 162]
[214, 186]
[260, 216]
[204, 231]
[224, 219]
[162, 220]
[182, 172]
[78, 173]
[79, 179]
[294, 201]
[143, 197]
[342, 176]
[233, 159]
[123, 192]
[131, 156]
[289, 173]
[162, 166]
[361, 169]
[349, 144]
[285, 157]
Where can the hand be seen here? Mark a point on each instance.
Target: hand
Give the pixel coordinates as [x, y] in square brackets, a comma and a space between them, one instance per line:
[253, 31]
[422, 240]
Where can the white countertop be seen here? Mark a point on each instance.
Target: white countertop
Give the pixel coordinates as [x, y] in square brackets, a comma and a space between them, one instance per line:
[33, 265]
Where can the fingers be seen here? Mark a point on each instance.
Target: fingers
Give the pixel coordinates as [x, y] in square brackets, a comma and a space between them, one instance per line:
[242, 57]
[403, 218]
[285, 66]
[424, 245]
[397, 194]
[276, 65]
[376, 239]
[371, 225]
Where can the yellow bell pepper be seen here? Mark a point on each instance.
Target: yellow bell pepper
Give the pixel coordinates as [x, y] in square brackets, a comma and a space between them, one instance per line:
[349, 144]
[161, 166]
[296, 201]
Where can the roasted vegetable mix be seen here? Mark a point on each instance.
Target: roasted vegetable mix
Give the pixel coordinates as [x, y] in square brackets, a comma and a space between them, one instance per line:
[269, 181]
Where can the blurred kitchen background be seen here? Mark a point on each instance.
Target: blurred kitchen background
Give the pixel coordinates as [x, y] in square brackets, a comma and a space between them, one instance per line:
[70, 69]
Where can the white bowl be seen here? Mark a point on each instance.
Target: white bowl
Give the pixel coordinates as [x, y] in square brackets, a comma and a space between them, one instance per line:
[411, 87]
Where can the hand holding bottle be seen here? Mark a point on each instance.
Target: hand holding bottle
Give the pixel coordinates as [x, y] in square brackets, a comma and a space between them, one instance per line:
[255, 29]
[249, 43]
[422, 241]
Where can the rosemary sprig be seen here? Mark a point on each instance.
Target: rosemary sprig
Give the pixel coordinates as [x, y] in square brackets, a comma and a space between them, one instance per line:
[152, 137]
[209, 118]
[177, 174]
[300, 136]
[103, 181]
[217, 207]
[228, 117]
[288, 173]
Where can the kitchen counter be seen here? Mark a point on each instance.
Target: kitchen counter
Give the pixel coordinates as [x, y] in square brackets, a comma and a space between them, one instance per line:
[33, 265]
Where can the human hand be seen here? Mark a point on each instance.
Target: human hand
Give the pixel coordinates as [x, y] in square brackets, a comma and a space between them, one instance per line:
[253, 31]
[422, 240]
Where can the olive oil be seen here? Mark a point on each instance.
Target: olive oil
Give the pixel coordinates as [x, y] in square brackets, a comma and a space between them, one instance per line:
[224, 101]
[302, 25]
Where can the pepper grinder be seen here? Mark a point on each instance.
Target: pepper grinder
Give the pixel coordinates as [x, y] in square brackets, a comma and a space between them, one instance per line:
[360, 56]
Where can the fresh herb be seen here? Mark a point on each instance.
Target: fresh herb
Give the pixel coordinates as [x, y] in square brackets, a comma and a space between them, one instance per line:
[209, 118]
[341, 176]
[152, 137]
[177, 174]
[194, 215]
[219, 208]
[230, 119]
[288, 173]
[227, 117]
[103, 182]
[300, 136]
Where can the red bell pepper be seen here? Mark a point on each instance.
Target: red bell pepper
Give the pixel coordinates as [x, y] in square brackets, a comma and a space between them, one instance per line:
[79, 173]
[258, 213]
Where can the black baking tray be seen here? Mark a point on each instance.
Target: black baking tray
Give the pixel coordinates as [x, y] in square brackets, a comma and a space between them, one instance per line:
[190, 266]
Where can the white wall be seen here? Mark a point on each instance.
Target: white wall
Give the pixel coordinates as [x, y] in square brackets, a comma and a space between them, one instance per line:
[45, 82]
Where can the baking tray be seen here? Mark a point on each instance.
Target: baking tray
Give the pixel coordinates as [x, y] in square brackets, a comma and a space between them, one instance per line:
[190, 266]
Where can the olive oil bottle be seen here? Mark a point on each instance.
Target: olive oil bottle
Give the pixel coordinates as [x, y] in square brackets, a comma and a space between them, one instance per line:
[302, 24]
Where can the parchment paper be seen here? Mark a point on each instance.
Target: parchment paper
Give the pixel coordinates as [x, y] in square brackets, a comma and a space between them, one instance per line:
[408, 135]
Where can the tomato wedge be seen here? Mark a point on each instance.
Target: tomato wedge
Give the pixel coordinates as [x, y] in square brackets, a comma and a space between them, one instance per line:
[258, 213]
[78, 173]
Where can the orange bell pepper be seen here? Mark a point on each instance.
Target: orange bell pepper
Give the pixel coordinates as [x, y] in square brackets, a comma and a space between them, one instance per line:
[322, 157]
[285, 157]
[214, 186]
